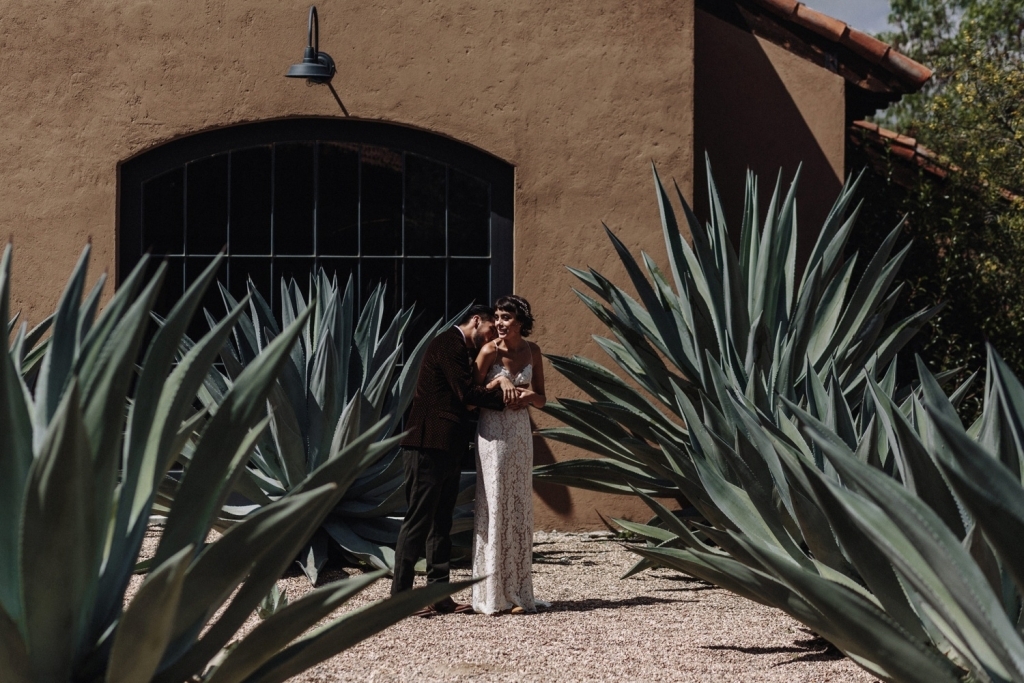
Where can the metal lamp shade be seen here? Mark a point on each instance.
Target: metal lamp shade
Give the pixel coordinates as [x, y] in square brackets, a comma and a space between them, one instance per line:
[316, 66]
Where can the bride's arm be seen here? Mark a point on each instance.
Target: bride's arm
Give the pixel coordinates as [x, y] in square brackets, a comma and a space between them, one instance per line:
[534, 396]
[484, 360]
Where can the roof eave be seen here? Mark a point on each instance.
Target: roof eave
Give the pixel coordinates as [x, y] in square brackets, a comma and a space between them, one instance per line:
[876, 74]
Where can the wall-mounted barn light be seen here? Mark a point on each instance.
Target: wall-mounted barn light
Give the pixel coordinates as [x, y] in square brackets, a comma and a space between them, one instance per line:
[316, 66]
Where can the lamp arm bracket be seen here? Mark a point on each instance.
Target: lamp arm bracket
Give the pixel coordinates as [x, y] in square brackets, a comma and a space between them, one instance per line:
[313, 39]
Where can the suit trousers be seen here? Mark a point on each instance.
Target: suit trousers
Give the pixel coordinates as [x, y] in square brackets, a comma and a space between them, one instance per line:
[431, 488]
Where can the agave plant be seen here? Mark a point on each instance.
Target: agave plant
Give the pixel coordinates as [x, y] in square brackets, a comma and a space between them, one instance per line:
[741, 320]
[724, 361]
[28, 346]
[82, 453]
[766, 535]
[342, 376]
[917, 573]
[963, 565]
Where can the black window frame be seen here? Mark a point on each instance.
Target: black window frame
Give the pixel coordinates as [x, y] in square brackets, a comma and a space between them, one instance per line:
[455, 155]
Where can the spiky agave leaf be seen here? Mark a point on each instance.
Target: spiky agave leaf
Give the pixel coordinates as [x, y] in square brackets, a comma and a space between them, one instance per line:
[73, 524]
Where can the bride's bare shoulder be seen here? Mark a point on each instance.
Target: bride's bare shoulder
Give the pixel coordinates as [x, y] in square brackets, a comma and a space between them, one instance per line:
[488, 349]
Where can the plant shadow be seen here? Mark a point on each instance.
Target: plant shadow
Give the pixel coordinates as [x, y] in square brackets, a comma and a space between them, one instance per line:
[694, 584]
[591, 604]
[563, 557]
[813, 649]
[688, 589]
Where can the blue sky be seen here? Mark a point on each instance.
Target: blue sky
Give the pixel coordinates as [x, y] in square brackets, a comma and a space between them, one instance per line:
[867, 15]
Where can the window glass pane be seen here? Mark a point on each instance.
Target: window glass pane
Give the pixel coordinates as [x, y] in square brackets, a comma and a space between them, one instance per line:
[250, 201]
[469, 216]
[212, 301]
[257, 268]
[338, 200]
[287, 209]
[382, 270]
[425, 289]
[381, 218]
[293, 198]
[343, 268]
[424, 207]
[163, 213]
[173, 286]
[298, 268]
[468, 282]
[207, 212]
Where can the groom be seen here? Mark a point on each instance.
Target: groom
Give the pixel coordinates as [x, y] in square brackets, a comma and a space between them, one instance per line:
[437, 440]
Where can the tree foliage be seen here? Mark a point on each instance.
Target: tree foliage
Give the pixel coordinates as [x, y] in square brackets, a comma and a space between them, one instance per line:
[969, 226]
[972, 113]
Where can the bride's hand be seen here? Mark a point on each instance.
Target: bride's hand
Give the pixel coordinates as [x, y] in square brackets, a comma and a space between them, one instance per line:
[524, 398]
[508, 390]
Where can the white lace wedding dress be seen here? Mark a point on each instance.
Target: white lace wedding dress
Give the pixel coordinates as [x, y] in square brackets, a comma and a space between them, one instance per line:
[503, 528]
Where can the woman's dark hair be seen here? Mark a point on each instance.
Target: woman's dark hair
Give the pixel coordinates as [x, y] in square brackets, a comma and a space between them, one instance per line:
[520, 308]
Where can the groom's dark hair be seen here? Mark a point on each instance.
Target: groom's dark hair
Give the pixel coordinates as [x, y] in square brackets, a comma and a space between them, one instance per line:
[485, 312]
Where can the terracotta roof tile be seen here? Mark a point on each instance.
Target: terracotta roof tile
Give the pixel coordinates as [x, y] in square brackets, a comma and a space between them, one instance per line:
[863, 45]
[893, 136]
[905, 68]
[822, 24]
[787, 6]
[876, 142]
[874, 139]
[909, 73]
[903, 152]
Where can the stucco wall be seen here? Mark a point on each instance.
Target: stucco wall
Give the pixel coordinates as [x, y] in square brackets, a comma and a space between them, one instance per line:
[762, 107]
[579, 96]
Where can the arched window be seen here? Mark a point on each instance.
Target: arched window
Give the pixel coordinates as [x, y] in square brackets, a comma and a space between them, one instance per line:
[429, 216]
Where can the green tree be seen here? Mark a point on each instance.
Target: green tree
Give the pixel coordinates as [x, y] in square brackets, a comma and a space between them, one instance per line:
[969, 225]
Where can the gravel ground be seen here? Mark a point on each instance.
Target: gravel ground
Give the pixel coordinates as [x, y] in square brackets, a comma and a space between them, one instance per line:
[657, 626]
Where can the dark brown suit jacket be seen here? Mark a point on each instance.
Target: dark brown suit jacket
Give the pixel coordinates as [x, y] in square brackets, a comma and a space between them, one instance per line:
[439, 418]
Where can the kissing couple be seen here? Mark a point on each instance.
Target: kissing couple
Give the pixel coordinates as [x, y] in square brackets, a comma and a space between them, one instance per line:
[484, 361]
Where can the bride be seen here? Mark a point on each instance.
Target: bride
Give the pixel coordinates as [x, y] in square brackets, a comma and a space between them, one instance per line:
[503, 526]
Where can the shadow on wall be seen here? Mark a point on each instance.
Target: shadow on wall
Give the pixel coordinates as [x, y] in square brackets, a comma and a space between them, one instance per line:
[745, 117]
[555, 496]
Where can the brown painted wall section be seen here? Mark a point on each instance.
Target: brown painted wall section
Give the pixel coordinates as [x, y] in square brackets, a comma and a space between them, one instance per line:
[759, 106]
[579, 96]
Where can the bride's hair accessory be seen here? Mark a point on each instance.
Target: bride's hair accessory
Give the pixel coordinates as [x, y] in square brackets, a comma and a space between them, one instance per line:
[520, 308]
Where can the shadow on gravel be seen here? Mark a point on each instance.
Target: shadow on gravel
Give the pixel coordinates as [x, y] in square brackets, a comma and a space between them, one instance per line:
[694, 584]
[682, 578]
[817, 649]
[593, 604]
[811, 650]
[564, 558]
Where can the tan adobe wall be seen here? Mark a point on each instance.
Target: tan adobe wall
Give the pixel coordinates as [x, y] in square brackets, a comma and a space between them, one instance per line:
[579, 96]
[760, 106]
